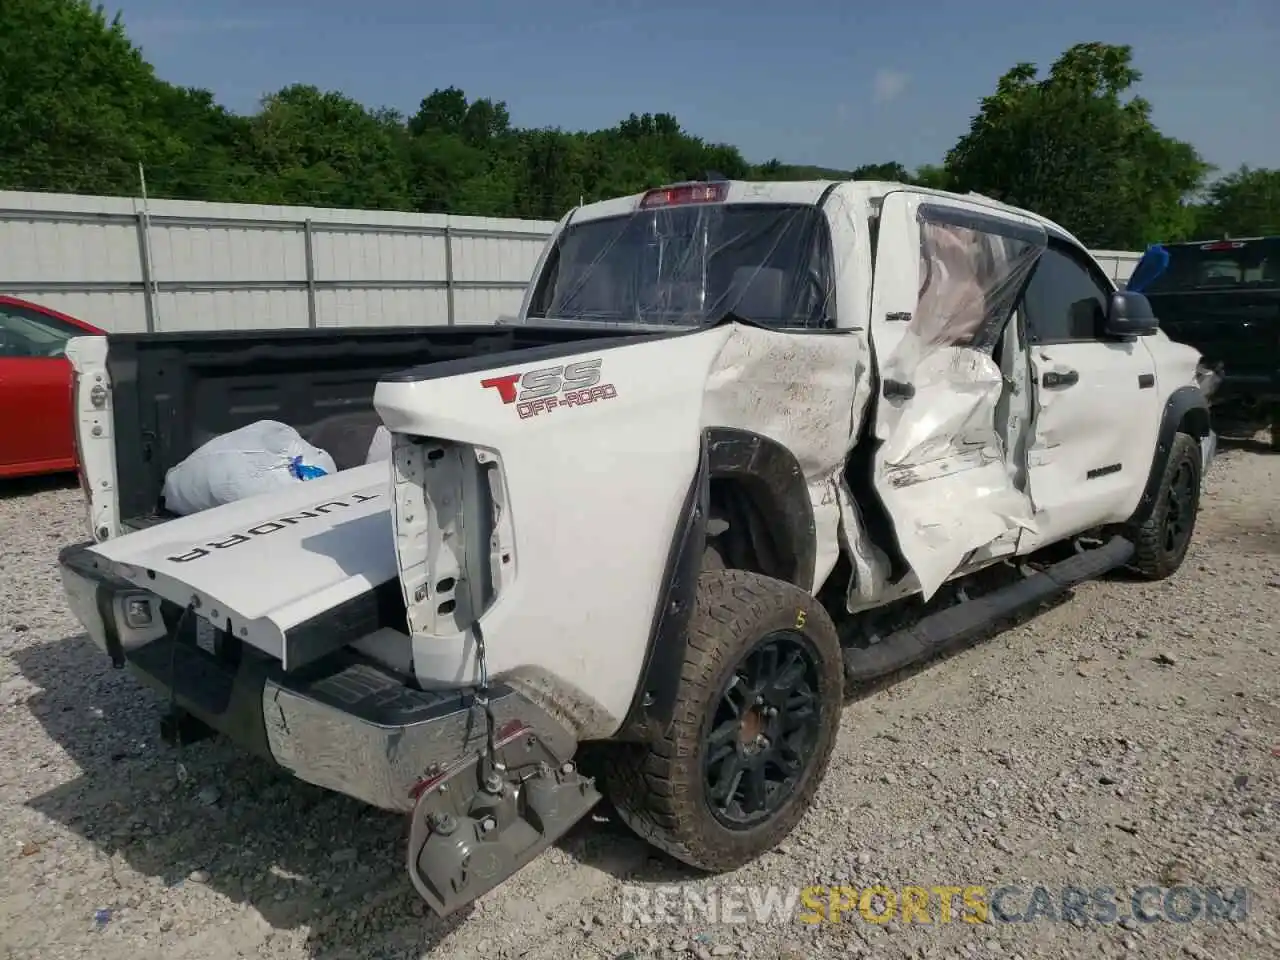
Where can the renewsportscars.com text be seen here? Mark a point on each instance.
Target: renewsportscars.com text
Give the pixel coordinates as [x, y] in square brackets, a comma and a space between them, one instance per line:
[941, 904]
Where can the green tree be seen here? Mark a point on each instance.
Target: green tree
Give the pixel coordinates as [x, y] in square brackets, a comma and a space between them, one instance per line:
[80, 109]
[1245, 203]
[1071, 147]
[77, 100]
[932, 176]
[326, 149]
[448, 111]
[197, 150]
[892, 172]
[777, 170]
[462, 156]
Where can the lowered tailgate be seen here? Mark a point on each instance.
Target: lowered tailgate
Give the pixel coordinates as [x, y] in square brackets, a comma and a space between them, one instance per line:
[295, 574]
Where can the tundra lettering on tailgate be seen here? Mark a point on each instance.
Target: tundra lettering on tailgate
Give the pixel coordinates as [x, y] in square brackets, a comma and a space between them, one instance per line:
[552, 388]
[268, 527]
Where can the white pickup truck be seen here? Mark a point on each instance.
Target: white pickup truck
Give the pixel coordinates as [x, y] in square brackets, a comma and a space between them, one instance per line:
[749, 443]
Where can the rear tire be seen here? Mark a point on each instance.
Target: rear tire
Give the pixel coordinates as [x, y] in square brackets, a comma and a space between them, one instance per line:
[756, 717]
[1160, 544]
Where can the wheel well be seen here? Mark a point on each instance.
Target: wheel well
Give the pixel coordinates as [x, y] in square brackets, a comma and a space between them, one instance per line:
[740, 535]
[1195, 423]
[1185, 412]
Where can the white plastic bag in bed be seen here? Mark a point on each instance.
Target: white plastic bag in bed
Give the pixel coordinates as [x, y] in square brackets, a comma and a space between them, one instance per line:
[258, 458]
[379, 446]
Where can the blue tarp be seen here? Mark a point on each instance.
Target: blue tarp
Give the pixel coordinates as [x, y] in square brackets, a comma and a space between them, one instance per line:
[1149, 269]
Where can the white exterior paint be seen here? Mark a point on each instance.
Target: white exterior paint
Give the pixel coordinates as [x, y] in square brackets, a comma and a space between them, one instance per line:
[590, 493]
[333, 530]
[228, 266]
[957, 510]
[584, 575]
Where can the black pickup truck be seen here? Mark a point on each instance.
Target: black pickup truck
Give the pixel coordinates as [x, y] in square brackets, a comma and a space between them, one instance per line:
[1223, 298]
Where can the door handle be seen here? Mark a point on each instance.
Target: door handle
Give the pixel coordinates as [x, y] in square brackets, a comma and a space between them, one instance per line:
[1060, 378]
[897, 390]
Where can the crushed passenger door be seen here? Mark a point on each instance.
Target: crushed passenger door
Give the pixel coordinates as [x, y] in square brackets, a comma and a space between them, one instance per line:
[948, 273]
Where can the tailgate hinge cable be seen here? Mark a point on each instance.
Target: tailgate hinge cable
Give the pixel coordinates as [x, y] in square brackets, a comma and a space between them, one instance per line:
[481, 699]
[187, 611]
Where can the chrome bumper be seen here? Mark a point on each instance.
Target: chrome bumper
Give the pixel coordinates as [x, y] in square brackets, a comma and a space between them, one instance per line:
[343, 722]
[362, 732]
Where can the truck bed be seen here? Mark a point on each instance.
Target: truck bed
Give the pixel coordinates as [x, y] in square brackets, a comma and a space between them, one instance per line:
[174, 391]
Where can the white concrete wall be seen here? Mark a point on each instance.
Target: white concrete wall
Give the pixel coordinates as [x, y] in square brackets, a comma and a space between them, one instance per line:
[1118, 263]
[215, 266]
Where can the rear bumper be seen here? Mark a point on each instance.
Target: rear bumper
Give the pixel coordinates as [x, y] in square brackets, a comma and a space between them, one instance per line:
[342, 722]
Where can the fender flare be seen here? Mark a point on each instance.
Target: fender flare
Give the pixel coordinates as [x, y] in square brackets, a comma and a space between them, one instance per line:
[1186, 407]
[775, 478]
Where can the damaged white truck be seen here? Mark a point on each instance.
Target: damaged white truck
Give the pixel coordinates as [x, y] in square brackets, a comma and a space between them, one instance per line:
[746, 444]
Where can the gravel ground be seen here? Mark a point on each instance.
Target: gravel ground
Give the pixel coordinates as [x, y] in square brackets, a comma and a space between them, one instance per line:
[1129, 736]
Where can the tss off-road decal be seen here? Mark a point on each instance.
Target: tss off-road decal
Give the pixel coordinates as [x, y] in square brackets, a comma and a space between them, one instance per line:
[552, 388]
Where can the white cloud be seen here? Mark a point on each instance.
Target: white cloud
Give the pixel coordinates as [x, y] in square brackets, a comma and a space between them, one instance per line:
[888, 85]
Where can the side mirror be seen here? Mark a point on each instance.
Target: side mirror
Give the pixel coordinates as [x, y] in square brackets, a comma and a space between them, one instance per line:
[1130, 315]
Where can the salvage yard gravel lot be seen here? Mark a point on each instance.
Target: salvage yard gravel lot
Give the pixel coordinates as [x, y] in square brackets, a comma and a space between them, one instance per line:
[1126, 737]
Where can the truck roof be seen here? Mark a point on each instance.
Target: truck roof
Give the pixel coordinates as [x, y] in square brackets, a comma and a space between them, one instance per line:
[805, 192]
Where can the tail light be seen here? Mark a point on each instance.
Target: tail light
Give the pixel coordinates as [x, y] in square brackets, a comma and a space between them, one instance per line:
[97, 397]
[684, 193]
[1223, 245]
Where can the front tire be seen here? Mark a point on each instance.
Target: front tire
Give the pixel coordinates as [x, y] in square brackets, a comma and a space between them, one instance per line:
[756, 717]
[1160, 544]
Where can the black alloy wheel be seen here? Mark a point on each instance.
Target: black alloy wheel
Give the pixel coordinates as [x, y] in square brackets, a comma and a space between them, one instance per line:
[766, 724]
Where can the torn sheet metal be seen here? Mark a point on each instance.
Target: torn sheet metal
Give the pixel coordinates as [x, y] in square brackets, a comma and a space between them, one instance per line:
[1015, 410]
[948, 273]
[800, 391]
[771, 263]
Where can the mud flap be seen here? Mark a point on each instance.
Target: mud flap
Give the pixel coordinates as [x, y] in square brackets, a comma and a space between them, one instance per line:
[948, 274]
[474, 825]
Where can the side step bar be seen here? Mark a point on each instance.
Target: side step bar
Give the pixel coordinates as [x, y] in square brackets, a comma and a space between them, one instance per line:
[937, 631]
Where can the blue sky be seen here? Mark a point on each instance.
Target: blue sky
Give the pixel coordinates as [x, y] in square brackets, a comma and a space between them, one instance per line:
[830, 82]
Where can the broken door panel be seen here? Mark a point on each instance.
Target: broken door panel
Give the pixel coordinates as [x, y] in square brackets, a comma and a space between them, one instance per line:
[948, 273]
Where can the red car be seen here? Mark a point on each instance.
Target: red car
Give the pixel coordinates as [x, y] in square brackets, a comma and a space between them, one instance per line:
[37, 432]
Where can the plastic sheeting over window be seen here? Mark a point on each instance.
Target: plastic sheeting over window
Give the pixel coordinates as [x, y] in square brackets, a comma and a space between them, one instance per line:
[690, 265]
[970, 281]
[970, 278]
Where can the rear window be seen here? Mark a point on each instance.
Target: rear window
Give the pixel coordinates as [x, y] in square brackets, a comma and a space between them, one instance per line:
[690, 265]
[1217, 265]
